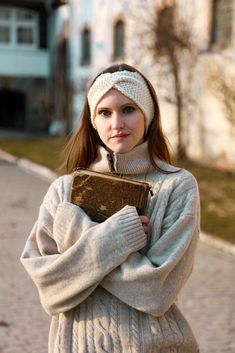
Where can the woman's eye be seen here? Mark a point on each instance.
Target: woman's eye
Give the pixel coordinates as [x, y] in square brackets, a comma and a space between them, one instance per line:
[104, 112]
[128, 109]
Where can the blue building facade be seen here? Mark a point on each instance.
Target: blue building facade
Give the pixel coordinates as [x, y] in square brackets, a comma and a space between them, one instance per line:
[27, 47]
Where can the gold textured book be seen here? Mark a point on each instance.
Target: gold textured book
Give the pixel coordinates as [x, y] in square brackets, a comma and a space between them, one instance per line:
[101, 195]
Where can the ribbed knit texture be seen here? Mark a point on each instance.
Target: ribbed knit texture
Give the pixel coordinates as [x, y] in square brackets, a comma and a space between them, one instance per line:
[108, 287]
[131, 84]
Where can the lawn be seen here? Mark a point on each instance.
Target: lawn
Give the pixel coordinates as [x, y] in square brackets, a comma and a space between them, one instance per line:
[44, 150]
[217, 192]
[217, 189]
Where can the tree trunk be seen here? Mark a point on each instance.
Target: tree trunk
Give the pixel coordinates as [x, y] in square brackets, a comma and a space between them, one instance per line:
[181, 149]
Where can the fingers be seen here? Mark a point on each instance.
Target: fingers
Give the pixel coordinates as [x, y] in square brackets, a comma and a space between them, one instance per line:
[145, 229]
[144, 220]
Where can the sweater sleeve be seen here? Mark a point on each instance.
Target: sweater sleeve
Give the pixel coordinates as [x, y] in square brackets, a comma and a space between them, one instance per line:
[152, 282]
[67, 255]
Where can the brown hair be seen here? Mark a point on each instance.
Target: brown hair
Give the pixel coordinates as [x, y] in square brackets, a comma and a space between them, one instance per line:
[81, 148]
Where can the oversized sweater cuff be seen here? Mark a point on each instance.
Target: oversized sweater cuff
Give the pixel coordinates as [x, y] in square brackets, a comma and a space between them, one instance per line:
[124, 227]
[131, 226]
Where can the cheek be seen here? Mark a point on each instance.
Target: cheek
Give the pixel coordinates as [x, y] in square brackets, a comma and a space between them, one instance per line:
[100, 127]
[140, 125]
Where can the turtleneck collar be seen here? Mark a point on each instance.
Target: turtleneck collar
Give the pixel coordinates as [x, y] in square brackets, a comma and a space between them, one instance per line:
[135, 161]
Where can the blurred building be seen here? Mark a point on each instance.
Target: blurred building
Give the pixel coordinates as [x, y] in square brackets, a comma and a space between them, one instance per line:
[50, 50]
[104, 32]
[29, 32]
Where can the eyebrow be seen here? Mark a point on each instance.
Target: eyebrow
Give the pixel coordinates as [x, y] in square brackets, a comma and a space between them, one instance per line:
[121, 106]
[130, 103]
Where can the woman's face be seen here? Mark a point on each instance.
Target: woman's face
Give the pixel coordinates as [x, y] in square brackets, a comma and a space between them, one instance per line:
[119, 122]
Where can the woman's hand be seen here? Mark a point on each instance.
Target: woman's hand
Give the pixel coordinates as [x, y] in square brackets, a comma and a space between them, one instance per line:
[144, 220]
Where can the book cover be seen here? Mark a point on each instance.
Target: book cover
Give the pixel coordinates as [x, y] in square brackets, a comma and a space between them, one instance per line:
[101, 195]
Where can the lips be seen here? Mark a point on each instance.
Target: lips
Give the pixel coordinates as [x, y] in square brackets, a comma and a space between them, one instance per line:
[120, 135]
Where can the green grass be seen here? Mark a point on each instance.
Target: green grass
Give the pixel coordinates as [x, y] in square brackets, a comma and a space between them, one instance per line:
[217, 189]
[217, 193]
[45, 151]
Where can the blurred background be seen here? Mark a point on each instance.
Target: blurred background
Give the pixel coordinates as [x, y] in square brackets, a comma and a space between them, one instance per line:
[51, 49]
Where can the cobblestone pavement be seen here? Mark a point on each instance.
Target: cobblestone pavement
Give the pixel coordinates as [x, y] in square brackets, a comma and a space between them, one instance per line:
[208, 299]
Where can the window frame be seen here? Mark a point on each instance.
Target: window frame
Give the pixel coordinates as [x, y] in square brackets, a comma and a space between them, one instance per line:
[14, 24]
[118, 54]
[217, 38]
[85, 45]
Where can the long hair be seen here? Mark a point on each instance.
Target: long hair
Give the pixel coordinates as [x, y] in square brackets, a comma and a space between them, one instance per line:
[81, 149]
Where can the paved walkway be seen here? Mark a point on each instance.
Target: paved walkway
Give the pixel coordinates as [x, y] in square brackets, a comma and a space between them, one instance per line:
[208, 300]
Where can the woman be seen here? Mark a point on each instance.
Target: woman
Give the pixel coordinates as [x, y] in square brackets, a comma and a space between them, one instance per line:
[113, 286]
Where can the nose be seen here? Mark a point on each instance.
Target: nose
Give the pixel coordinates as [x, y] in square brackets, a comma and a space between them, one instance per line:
[117, 121]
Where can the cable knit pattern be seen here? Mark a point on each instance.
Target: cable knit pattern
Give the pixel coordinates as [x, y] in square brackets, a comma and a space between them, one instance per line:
[134, 324]
[108, 286]
[114, 324]
[131, 84]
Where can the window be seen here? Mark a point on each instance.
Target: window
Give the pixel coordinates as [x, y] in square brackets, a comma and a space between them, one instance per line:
[24, 35]
[222, 20]
[18, 28]
[118, 48]
[86, 47]
[22, 15]
[4, 34]
[5, 14]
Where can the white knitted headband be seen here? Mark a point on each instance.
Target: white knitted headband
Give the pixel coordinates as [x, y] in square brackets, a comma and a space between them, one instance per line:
[131, 84]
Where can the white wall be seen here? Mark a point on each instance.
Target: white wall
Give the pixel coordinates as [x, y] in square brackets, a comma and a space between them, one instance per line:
[22, 63]
[208, 133]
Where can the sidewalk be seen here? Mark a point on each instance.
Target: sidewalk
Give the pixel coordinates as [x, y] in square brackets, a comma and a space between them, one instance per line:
[208, 300]
[23, 325]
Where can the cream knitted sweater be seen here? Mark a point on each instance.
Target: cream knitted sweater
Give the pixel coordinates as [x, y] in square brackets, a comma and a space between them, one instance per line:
[109, 287]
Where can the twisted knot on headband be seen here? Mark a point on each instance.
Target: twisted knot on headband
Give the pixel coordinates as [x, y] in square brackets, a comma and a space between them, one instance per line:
[131, 84]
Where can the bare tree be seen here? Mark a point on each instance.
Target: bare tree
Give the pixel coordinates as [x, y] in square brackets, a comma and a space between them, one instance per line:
[62, 87]
[223, 86]
[168, 39]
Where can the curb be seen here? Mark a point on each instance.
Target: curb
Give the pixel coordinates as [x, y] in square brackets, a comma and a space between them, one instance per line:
[217, 243]
[31, 167]
[49, 175]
